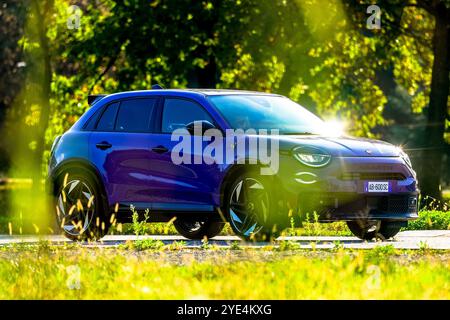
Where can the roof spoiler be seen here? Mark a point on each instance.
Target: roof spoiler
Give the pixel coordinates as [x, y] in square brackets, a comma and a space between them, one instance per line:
[94, 97]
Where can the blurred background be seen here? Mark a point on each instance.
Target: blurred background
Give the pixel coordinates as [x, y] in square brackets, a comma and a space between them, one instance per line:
[382, 71]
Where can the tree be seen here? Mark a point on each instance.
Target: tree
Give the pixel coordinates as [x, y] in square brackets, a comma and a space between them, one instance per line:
[438, 106]
[42, 12]
[183, 43]
[12, 21]
[425, 25]
[28, 119]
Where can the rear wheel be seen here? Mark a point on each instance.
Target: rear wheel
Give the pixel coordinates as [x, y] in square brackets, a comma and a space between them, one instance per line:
[80, 206]
[196, 229]
[368, 230]
[247, 206]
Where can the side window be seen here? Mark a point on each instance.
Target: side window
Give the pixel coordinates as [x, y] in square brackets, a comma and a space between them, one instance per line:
[90, 124]
[135, 115]
[178, 113]
[108, 118]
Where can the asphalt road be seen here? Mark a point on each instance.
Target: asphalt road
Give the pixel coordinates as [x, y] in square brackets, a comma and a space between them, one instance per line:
[433, 239]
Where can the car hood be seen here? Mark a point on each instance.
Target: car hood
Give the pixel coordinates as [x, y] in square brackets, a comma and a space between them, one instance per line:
[343, 146]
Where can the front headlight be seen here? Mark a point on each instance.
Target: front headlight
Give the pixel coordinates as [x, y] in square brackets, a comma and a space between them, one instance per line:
[311, 157]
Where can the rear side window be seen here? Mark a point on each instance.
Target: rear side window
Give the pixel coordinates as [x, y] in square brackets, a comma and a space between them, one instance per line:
[178, 113]
[135, 115]
[108, 118]
[90, 124]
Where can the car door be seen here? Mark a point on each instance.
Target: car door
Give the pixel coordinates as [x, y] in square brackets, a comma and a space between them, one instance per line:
[120, 147]
[183, 186]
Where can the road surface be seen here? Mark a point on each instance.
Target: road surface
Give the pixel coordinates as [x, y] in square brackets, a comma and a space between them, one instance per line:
[432, 239]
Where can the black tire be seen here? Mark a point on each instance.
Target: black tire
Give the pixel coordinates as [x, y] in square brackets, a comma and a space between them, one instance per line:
[257, 214]
[366, 230]
[389, 229]
[197, 229]
[88, 221]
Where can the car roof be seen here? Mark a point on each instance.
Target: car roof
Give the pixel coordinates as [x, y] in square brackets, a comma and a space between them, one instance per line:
[216, 92]
[186, 92]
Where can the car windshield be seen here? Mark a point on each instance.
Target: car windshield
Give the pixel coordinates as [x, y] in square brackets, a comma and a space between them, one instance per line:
[267, 112]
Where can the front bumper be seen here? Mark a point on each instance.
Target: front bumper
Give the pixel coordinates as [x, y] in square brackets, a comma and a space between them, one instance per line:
[335, 207]
[339, 191]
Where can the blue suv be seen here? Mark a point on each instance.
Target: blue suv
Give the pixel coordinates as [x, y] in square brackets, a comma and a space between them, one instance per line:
[124, 151]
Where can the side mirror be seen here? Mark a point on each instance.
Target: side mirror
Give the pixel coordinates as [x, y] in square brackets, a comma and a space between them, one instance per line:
[200, 125]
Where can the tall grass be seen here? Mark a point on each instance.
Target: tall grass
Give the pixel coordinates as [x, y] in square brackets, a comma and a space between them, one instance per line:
[43, 273]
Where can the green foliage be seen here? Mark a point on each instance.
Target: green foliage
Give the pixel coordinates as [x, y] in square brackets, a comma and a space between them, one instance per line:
[235, 246]
[312, 227]
[145, 244]
[139, 226]
[63, 273]
[382, 251]
[205, 244]
[327, 63]
[287, 245]
[431, 220]
[176, 245]
[424, 246]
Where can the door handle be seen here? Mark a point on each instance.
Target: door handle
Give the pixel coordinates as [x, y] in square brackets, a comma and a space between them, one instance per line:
[160, 149]
[103, 145]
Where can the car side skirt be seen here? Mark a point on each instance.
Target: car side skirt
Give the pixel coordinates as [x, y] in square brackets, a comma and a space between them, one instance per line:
[164, 212]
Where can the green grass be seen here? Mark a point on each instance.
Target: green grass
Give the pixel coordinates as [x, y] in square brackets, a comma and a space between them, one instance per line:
[46, 272]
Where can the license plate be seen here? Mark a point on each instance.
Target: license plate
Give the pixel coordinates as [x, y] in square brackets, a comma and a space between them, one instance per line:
[373, 186]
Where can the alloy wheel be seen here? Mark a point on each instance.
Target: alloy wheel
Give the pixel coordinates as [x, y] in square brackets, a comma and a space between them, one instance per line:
[248, 207]
[75, 207]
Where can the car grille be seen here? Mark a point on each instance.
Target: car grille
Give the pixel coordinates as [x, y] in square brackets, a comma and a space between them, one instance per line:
[397, 204]
[394, 204]
[372, 176]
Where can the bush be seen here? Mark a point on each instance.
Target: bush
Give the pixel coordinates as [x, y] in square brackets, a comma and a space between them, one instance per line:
[431, 219]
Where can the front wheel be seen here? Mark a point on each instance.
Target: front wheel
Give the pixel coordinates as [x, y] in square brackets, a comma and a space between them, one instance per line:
[197, 229]
[247, 207]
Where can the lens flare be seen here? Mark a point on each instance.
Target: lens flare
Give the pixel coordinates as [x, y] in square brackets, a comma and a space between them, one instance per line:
[334, 128]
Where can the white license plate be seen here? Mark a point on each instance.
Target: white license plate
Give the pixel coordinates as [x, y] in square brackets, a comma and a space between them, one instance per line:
[372, 186]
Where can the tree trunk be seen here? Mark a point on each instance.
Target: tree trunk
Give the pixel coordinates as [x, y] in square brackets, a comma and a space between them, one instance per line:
[46, 92]
[430, 182]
